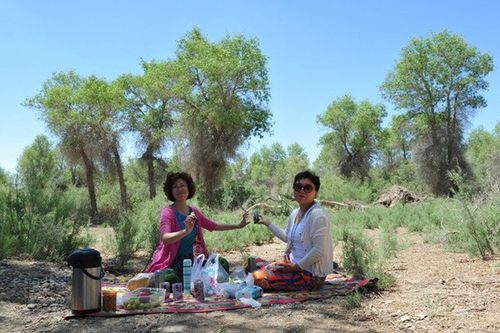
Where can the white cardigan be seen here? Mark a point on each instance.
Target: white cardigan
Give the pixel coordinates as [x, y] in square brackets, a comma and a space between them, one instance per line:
[317, 240]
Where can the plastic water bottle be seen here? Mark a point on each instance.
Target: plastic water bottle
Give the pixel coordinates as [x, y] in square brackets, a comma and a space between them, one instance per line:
[187, 266]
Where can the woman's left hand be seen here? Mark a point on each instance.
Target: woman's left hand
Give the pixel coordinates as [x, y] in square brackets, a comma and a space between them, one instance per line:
[288, 268]
[244, 216]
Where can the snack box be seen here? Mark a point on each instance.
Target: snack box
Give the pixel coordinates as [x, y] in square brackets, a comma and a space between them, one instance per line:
[249, 292]
[143, 298]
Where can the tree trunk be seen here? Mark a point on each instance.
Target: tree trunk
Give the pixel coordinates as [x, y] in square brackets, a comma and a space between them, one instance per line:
[89, 173]
[449, 138]
[148, 157]
[121, 178]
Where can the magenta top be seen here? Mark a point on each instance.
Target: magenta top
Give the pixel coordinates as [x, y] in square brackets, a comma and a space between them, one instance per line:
[165, 254]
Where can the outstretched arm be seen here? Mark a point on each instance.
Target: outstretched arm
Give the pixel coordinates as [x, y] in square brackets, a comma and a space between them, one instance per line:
[242, 224]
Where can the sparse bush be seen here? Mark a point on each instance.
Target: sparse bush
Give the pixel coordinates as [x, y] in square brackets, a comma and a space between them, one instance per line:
[352, 300]
[7, 240]
[357, 254]
[147, 217]
[126, 239]
[478, 230]
[41, 223]
[388, 241]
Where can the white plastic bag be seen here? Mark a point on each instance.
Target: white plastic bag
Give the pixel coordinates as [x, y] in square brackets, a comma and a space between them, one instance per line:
[196, 270]
[238, 275]
[249, 280]
[209, 274]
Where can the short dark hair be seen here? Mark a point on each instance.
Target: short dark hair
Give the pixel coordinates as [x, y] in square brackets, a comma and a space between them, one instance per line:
[172, 177]
[308, 175]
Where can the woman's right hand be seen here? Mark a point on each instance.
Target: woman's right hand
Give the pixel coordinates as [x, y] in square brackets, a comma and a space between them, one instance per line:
[263, 220]
[189, 222]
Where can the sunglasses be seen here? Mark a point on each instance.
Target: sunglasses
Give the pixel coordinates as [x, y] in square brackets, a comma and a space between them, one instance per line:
[308, 188]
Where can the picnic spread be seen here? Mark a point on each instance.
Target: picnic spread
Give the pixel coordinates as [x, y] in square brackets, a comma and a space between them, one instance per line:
[208, 288]
[336, 285]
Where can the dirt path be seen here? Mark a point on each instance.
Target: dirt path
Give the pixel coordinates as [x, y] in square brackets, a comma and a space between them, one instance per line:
[435, 291]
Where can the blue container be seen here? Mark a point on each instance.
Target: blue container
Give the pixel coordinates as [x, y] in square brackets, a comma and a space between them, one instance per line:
[186, 275]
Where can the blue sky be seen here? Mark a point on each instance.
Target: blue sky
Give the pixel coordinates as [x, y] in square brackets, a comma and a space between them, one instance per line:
[318, 51]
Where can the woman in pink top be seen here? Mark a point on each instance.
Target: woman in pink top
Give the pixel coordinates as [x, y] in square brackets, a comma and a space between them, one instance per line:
[181, 233]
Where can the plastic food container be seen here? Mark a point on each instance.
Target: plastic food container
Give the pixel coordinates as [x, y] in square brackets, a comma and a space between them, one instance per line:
[143, 298]
[249, 292]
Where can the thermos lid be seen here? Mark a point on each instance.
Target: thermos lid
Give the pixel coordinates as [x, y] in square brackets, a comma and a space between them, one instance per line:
[84, 258]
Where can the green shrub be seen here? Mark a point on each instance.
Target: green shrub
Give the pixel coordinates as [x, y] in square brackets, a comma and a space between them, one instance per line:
[147, 217]
[357, 254]
[385, 280]
[352, 300]
[126, 238]
[388, 241]
[478, 221]
[41, 223]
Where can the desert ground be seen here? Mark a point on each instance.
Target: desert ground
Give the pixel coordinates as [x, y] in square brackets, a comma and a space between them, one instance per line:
[435, 291]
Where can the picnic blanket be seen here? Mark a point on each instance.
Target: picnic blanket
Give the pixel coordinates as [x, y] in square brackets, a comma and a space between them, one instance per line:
[334, 286]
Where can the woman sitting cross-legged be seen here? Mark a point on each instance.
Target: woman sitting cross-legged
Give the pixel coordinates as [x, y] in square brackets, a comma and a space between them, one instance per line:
[308, 258]
[181, 226]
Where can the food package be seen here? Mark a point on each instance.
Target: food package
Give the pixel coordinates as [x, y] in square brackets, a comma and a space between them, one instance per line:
[141, 280]
[143, 298]
[249, 292]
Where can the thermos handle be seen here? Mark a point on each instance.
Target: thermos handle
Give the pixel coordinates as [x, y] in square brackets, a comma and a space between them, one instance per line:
[91, 276]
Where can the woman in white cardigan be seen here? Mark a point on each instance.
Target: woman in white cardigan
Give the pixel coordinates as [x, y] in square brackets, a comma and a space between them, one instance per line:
[308, 258]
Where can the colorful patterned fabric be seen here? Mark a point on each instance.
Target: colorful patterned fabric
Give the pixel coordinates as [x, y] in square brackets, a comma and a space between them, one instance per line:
[270, 278]
[335, 285]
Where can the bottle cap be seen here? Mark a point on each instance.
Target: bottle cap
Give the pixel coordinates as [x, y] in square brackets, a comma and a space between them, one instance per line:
[187, 262]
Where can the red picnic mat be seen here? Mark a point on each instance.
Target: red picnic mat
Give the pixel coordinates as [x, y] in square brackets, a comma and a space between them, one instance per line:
[337, 286]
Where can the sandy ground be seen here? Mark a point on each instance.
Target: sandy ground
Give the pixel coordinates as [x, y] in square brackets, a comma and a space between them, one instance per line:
[435, 291]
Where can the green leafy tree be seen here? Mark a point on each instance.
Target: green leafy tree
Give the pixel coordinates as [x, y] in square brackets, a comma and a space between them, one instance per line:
[267, 170]
[236, 189]
[3, 176]
[295, 162]
[223, 90]
[37, 166]
[151, 104]
[483, 152]
[71, 107]
[355, 129]
[324, 163]
[107, 101]
[395, 144]
[438, 83]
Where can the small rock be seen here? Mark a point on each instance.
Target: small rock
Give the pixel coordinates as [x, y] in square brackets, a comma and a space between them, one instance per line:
[421, 316]
[31, 306]
[405, 318]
